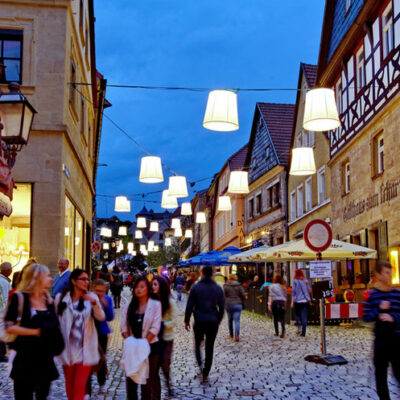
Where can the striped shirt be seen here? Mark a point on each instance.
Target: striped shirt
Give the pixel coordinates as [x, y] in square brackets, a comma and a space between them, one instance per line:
[390, 330]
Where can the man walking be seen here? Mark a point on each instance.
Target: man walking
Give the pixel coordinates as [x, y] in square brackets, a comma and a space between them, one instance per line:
[61, 279]
[5, 287]
[383, 307]
[206, 301]
[179, 284]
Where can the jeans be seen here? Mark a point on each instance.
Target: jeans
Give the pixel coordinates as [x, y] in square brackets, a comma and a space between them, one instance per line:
[385, 352]
[278, 312]
[208, 330]
[234, 315]
[300, 313]
[179, 289]
[166, 347]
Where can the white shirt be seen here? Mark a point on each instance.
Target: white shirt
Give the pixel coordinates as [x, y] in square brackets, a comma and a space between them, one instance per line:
[5, 287]
[62, 273]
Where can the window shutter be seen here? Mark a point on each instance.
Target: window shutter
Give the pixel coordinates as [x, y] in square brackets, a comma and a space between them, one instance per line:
[383, 241]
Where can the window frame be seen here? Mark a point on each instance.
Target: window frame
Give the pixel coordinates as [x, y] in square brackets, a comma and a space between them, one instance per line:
[339, 95]
[359, 65]
[300, 200]
[293, 205]
[251, 208]
[321, 172]
[258, 204]
[15, 35]
[390, 26]
[308, 193]
[346, 176]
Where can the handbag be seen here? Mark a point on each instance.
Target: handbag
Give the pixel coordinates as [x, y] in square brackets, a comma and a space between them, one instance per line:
[8, 337]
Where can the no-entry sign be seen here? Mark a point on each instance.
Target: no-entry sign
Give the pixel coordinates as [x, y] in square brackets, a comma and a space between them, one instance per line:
[318, 235]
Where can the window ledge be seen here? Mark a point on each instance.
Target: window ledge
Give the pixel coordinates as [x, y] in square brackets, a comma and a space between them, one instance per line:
[378, 175]
[346, 194]
[317, 207]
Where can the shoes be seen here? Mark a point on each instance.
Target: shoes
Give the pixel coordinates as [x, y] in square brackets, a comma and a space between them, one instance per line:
[230, 337]
[282, 335]
[276, 334]
[236, 338]
[205, 378]
[303, 334]
[4, 359]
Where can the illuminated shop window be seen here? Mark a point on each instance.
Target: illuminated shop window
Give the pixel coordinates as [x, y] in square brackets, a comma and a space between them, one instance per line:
[394, 261]
[15, 244]
[73, 235]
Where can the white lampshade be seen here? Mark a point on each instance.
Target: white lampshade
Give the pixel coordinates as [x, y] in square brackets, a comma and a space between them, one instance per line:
[122, 231]
[142, 248]
[175, 223]
[168, 242]
[106, 232]
[200, 217]
[133, 252]
[239, 182]
[138, 234]
[168, 201]
[130, 246]
[178, 232]
[141, 222]
[177, 186]
[150, 245]
[224, 203]
[120, 247]
[221, 112]
[156, 248]
[302, 161]
[151, 170]
[106, 246]
[186, 209]
[153, 226]
[188, 233]
[122, 204]
[145, 252]
[320, 111]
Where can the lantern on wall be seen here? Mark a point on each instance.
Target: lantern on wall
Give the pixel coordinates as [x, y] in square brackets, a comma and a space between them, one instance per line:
[221, 112]
[122, 231]
[141, 222]
[175, 223]
[153, 226]
[200, 217]
[238, 182]
[302, 161]
[224, 203]
[168, 242]
[177, 186]
[320, 111]
[178, 232]
[168, 201]
[186, 209]
[138, 234]
[122, 204]
[188, 233]
[151, 170]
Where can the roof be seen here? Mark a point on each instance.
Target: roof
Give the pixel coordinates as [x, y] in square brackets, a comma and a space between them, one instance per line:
[310, 73]
[237, 160]
[279, 119]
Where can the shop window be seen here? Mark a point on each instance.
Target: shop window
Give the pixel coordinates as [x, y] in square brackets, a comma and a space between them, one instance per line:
[394, 261]
[15, 244]
[11, 55]
[387, 31]
[73, 235]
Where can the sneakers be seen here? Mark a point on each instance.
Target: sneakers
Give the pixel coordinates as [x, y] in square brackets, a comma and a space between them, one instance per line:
[282, 335]
[237, 338]
[205, 378]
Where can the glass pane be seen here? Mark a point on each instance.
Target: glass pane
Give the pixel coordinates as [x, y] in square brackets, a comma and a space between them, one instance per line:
[13, 70]
[78, 240]
[15, 244]
[69, 231]
[12, 49]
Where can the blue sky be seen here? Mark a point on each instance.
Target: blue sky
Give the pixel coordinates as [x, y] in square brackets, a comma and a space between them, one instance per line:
[207, 43]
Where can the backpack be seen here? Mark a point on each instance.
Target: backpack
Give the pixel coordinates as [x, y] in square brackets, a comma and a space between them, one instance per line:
[4, 336]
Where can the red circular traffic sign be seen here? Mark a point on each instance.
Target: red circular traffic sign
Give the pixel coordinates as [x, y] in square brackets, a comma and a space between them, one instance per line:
[318, 235]
[96, 247]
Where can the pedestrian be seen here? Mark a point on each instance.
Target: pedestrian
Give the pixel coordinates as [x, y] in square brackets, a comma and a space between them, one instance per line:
[206, 302]
[277, 303]
[38, 336]
[141, 318]
[383, 308]
[105, 274]
[5, 287]
[77, 310]
[300, 300]
[190, 281]
[255, 283]
[18, 275]
[161, 291]
[117, 285]
[234, 300]
[62, 277]
[103, 330]
[179, 284]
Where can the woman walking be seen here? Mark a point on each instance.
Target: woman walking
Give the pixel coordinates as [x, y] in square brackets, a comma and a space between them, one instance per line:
[117, 285]
[277, 303]
[142, 319]
[234, 299]
[77, 310]
[300, 298]
[161, 291]
[38, 336]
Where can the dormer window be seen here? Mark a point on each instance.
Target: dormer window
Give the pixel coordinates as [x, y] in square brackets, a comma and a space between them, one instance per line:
[348, 5]
[267, 152]
[254, 163]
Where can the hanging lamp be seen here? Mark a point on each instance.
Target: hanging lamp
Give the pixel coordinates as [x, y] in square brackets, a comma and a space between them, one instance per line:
[238, 182]
[156, 248]
[106, 246]
[106, 232]
[168, 201]
[221, 112]
[178, 232]
[224, 203]
[145, 252]
[153, 226]
[138, 234]
[151, 170]
[122, 231]
[130, 246]
[133, 252]
[320, 110]
[142, 248]
[122, 204]
[302, 161]
[177, 186]
[200, 217]
[120, 247]
[188, 233]
[168, 242]
[141, 222]
[150, 245]
[175, 223]
[186, 209]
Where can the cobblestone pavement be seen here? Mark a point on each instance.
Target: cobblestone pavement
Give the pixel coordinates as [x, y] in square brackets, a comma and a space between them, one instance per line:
[260, 366]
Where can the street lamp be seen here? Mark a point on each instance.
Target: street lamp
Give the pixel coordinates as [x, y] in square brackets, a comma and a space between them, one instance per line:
[16, 117]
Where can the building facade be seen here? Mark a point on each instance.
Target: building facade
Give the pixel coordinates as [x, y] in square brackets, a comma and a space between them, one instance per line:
[46, 46]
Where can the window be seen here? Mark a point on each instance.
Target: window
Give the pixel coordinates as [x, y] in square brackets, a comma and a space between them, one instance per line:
[299, 140]
[321, 186]
[276, 195]
[360, 70]
[258, 204]
[339, 96]
[378, 156]
[253, 163]
[73, 235]
[83, 117]
[387, 31]
[293, 205]
[346, 177]
[269, 198]
[311, 138]
[305, 139]
[267, 152]
[251, 208]
[300, 201]
[308, 194]
[72, 85]
[11, 55]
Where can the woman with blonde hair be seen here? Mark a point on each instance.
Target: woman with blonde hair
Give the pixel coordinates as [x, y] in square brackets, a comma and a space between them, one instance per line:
[32, 319]
[234, 300]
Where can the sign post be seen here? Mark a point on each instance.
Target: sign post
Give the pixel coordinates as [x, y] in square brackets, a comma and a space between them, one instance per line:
[318, 237]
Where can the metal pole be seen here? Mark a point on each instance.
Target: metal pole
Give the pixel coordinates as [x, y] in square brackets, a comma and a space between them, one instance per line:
[322, 321]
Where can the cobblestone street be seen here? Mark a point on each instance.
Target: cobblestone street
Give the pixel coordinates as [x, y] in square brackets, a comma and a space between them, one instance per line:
[261, 366]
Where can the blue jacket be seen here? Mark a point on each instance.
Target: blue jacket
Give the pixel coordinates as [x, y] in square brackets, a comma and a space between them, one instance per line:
[102, 327]
[60, 283]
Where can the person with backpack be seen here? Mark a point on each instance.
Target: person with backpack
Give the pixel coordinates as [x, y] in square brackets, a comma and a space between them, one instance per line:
[117, 285]
[33, 329]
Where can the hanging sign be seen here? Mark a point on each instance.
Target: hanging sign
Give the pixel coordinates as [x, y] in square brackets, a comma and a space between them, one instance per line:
[318, 235]
[322, 289]
[320, 269]
[96, 247]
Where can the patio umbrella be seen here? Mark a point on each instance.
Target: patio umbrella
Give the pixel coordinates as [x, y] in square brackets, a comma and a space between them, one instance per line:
[220, 257]
[244, 256]
[196, 260]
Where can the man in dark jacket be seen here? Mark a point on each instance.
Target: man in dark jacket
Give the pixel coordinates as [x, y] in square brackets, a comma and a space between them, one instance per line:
[206, 301]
